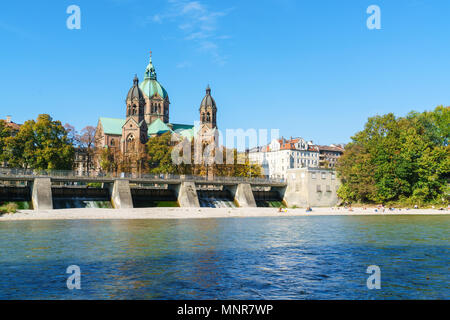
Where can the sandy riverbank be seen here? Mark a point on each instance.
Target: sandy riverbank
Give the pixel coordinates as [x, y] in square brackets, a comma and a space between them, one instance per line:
[195, 213]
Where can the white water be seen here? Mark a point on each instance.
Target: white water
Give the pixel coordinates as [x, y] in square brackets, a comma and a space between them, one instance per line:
[216, 203]
[80, 203]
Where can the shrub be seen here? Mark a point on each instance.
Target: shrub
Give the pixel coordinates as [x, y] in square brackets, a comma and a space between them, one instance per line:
[9, 208]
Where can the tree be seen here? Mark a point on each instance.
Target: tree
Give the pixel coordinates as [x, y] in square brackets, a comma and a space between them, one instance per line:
[106, 160]
[5, 132]
[87, 142]
[72, 135]
[159, 154]
[41, 144]
[392, 159]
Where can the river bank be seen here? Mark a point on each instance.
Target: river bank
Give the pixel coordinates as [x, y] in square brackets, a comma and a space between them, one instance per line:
[196, 213]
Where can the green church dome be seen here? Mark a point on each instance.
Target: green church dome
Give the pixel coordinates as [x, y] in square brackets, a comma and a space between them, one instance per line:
[150, 86]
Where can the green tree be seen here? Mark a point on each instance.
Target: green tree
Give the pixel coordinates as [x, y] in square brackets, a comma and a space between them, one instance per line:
[398, 158]
[159, 154]
[41, 144]
[5, 132]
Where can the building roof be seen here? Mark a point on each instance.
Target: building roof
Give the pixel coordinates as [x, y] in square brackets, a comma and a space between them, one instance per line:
[12, 125]
[150, 86]
[208, 100]
[330, 148]
[157, 127]
[186, 133]
[135, 92]
[178, 126]
[112, 125]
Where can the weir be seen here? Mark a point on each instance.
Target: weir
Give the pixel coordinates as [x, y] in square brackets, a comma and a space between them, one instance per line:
[306, 186]
[65, 197]
[242, 194]
[215, 198]
[146, 197]
[269, 198]
[15, 193]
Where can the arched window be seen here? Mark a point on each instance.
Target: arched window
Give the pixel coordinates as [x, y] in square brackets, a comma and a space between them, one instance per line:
[130, 143]
[112, 142]
[134, 110]
[208, 117]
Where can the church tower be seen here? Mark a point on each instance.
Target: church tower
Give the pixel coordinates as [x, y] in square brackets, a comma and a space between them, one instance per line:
[156, 97]
[208, 111]
[134, 130]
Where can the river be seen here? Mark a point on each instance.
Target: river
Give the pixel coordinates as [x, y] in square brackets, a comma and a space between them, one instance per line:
[317, 257]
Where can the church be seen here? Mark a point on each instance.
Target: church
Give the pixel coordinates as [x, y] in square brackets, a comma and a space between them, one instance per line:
[147, 114]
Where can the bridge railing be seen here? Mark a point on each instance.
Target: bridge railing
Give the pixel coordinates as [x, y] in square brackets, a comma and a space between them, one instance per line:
[32, 173]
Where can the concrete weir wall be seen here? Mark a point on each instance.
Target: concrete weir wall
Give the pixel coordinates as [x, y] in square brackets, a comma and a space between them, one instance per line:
[187, 194]
[41, 194]
[313, 187]
[121, 194]
[243, 195]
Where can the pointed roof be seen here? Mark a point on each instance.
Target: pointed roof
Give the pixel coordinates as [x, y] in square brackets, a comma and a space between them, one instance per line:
[135, 92]
[150, 86]
[208, 100]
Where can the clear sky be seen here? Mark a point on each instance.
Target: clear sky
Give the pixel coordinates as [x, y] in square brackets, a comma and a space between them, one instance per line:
[309, 68]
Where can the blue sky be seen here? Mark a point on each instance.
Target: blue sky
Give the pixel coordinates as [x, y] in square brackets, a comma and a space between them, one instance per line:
[309, 68]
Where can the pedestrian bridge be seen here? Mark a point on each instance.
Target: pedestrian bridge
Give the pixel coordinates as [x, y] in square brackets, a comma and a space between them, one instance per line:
[43, 188]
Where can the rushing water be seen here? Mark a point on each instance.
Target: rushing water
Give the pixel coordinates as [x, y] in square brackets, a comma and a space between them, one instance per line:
[312, 257]
[216, 203]
[67, 203]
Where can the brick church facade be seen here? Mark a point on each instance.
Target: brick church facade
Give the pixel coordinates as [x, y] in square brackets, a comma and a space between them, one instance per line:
[147, 114]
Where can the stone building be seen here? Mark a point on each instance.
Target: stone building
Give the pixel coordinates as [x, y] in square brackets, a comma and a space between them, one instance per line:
[312, 187]
[15, 127]
[283, 154]
[328, 155]
[147, 115]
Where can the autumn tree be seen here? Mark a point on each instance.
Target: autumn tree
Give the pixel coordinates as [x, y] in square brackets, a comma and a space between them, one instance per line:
[42, 144]
[86, 141]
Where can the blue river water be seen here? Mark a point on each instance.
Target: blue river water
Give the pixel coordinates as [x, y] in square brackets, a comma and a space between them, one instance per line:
[314, 257]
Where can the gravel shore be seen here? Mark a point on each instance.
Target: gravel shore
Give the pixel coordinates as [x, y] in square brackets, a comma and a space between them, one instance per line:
[196, 213]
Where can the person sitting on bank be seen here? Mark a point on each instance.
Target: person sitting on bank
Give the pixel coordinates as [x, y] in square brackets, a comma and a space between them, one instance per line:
[308, 209]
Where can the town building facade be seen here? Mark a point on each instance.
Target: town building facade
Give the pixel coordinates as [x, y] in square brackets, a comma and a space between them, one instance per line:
[283, 154]
[328, 155]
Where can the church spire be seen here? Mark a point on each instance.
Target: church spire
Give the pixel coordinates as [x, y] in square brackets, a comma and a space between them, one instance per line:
[150, 71]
